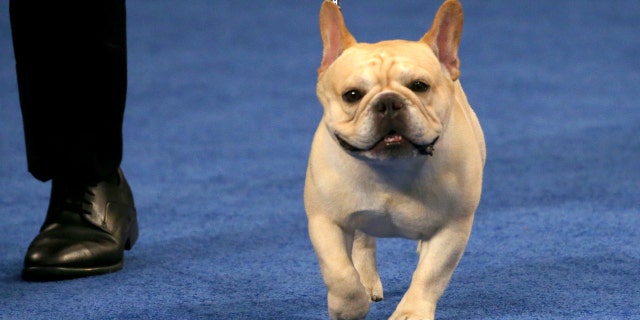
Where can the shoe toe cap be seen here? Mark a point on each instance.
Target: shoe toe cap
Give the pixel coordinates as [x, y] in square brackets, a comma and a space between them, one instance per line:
[73, 251]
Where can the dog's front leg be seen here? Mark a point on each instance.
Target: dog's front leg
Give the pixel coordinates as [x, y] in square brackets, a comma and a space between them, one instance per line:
[438, 259]
[346, 296]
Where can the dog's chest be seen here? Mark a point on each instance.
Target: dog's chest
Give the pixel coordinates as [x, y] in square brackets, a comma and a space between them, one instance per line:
[394, 214]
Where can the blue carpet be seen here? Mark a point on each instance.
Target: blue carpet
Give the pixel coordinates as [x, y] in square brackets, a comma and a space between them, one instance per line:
[221, 112]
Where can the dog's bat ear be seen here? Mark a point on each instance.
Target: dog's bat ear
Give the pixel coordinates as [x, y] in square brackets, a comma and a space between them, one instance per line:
[335, 36]
[444, 36]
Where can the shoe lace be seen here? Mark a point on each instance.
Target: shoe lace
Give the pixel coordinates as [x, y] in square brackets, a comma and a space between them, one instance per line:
[76, 199]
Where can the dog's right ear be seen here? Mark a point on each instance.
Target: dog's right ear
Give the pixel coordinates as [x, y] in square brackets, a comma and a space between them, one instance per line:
[335, 36]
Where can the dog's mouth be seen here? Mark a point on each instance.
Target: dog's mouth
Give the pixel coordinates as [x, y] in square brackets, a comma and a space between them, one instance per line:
[391, 141]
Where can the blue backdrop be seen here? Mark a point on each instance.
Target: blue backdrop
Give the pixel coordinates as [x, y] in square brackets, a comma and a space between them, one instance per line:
[220, 116]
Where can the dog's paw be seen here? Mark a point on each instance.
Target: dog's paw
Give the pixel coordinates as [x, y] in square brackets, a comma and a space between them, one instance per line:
[375, 291]
[410, 316]
[372, 284]
[351, 307]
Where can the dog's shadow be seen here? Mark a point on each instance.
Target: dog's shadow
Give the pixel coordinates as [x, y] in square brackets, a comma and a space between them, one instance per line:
[596, 286]
[288, 286]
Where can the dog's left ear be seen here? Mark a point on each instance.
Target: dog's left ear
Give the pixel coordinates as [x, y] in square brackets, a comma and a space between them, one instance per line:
[335, 36]
[444, 36]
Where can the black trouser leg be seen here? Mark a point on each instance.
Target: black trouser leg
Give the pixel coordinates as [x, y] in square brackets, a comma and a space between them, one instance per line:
[72, 78]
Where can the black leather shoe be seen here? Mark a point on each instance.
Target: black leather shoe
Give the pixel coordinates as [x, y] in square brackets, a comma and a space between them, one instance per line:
[85, 233]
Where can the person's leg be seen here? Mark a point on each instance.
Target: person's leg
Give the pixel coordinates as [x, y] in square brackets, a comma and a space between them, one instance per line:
[72, 77]
[72, 80]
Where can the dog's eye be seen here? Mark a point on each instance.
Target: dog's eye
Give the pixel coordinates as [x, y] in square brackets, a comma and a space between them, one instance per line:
[419, 86]
[352, 96]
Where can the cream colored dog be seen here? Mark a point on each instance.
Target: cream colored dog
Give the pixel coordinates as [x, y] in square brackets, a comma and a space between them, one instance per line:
[398, 153]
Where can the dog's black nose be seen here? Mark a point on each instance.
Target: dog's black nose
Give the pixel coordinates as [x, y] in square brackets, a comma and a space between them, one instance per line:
[388, 104]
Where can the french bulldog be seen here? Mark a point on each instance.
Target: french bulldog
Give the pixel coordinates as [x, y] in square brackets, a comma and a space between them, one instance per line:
[398, 153]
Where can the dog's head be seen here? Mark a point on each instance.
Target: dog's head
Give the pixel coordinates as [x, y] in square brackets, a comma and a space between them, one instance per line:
[390, 99]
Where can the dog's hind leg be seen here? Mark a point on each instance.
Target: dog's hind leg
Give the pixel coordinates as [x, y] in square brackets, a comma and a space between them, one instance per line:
[364, 259]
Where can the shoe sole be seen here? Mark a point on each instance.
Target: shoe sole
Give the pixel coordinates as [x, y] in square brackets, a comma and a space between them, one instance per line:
[61, 273]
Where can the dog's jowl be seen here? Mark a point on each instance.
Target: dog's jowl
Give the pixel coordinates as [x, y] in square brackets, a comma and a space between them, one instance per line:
[398, 153]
